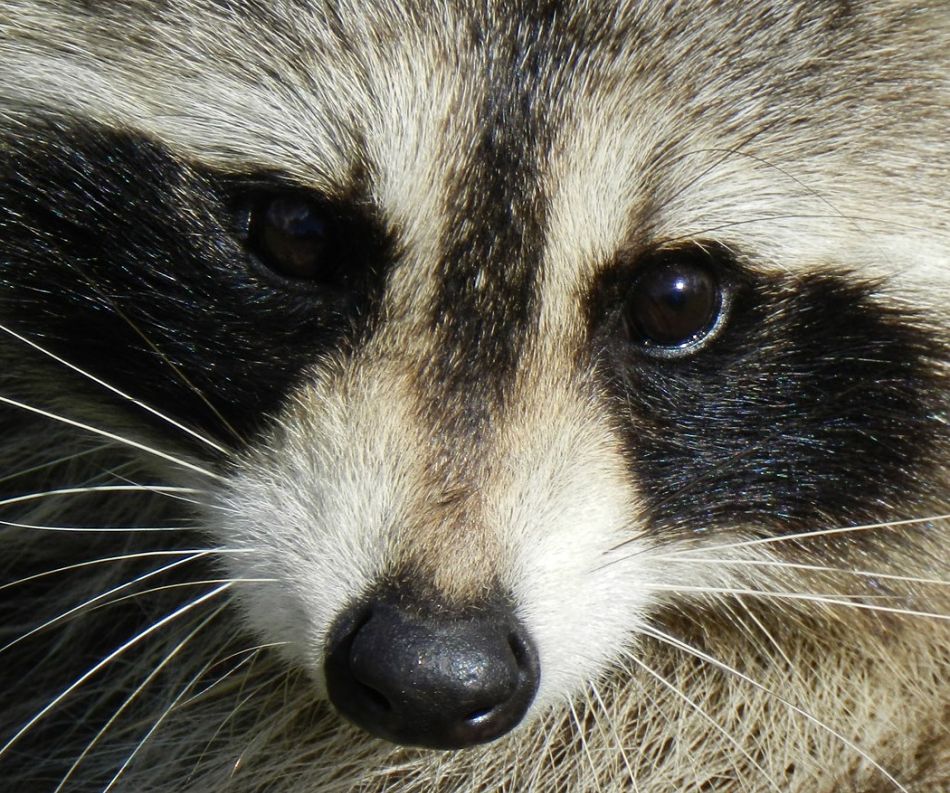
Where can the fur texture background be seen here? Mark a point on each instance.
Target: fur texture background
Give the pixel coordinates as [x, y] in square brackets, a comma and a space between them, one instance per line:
[733, 562]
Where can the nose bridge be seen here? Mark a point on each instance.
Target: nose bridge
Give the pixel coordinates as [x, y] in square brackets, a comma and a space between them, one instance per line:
[447, 548]
[470, 348]
[469, 311]
[472, 442]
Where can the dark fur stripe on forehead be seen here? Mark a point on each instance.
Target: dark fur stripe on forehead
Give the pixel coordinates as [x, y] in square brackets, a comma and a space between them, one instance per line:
[818, 405]
[495, 221]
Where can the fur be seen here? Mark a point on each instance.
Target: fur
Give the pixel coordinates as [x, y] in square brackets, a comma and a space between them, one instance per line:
[732, 561]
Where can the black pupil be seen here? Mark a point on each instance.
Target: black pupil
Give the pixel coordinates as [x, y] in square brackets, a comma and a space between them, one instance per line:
[673, 304]
[293, 236]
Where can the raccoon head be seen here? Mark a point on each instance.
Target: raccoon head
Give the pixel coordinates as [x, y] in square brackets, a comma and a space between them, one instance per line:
[493, 340]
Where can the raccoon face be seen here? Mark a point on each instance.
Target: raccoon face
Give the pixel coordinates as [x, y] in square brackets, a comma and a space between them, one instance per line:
[494, 345]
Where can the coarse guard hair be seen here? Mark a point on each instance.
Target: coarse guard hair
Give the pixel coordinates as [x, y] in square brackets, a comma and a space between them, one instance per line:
[474, 396]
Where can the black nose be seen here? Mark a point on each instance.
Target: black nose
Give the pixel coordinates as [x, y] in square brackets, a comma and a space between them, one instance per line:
[431, 680]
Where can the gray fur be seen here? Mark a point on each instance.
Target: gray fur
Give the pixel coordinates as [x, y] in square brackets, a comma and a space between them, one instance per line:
[808, 137]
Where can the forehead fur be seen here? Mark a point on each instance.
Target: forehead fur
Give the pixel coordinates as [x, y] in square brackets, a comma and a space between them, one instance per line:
[657, 123]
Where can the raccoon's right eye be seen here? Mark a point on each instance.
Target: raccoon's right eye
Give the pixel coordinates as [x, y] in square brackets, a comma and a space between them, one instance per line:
[298, 239]
[291, 235]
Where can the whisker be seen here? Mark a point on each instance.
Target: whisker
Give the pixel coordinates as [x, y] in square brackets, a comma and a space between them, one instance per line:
[112, 436]
[889, 223]
[118, 652]
[618, 741]
[704, 715]
[773, 642]
[137, 402]
[242, 701]
[671, 156]
[687, 648]
[179, 497]
[99, 529]
[594, 717]
[545, 750]
[168, 491]
[892, 524]
[97, 598]
[123, 558]
[762, 161]
[805, 596]
[164, 715]
[93, 605]
[133, 696]
[179, 373]
[250, 653]
[72, 491]
[725, 562]
[181, 585]
[67, 458]
[584, 744]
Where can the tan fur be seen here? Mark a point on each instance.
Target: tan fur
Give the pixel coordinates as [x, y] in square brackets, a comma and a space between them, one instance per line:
[726, 661]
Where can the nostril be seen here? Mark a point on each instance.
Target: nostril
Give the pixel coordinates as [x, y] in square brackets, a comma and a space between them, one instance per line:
[478, 715]
[374, 698]
[518, 649]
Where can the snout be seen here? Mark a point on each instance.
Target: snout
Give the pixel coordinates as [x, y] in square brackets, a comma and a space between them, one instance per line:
[421, 677]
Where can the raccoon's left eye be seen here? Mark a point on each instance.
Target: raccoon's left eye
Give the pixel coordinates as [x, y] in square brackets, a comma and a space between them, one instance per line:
[293, 234]
[674, 303]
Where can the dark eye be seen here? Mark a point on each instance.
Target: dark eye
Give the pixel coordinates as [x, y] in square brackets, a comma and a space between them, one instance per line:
[296, 237]
[674, 303]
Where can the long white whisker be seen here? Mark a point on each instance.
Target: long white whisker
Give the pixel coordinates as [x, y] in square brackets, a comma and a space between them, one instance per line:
[118, 652]
[584, 745]
[182, 585]
[97, 598]
[178, 496]
[894, 524]
[66, 458]
[133, 696]
[725, 562]
[687, 648]
[705, 716]
[250, 654]
[98, 529]
[123, 558]
[618, 741]
[168, 362]
[92, 606]
[806, 596]
[112, 436]
[767, 633]
[71, 491]
[543, 752]
[137, 402]
[242, 701]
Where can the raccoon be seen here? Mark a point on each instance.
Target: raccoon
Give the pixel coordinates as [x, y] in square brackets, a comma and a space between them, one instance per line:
[474, 396]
